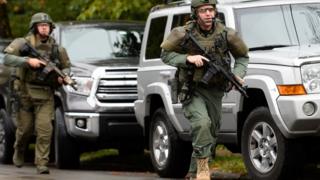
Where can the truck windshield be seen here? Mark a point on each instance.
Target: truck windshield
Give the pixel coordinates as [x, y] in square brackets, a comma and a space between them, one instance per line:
[279, 26]
[97, 43]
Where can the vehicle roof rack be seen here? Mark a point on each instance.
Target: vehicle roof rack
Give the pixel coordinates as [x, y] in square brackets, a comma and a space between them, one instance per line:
[177, 2]
[235, 1]
[174, 3]
[170, 3]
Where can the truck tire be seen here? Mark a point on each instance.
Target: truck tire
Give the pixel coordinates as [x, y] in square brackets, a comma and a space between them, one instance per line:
[7, 138]
[67, 154]
[170, 156]
[267, 153]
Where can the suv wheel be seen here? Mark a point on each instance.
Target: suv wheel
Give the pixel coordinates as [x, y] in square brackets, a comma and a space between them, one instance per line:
[6, 138]
[267, 154]
[67, 154]
[170, 156]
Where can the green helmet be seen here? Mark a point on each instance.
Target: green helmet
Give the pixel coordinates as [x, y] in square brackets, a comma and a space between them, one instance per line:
[197, 3]
[40, 18]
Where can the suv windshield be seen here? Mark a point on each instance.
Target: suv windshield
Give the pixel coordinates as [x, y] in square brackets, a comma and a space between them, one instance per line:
[279, 26]
[97, 43]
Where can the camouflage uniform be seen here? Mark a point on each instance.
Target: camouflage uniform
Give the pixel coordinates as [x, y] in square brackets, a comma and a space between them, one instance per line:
[36, 110]
[203, 109]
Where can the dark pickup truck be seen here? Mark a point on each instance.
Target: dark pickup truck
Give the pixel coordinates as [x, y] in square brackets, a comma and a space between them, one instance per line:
[100, 113]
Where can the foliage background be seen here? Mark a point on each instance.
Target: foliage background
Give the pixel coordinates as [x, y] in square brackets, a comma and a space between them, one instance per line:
[20, 11]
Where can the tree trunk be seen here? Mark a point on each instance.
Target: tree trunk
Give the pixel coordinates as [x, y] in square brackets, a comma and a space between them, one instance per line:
[5, 31]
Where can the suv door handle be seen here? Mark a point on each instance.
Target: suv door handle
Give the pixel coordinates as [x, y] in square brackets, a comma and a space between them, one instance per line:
[165, 74]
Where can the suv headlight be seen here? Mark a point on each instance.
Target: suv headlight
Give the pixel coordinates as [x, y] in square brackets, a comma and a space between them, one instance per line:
[84, 85]
[311, 77]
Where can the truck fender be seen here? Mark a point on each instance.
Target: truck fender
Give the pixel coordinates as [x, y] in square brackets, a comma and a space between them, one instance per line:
[165, 93]
[270, 90]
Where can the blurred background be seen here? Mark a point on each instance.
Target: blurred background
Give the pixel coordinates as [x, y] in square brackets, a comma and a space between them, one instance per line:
[15, 14]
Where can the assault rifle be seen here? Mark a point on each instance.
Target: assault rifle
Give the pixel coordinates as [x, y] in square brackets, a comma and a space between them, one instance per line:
[49, 66]
[213, 69]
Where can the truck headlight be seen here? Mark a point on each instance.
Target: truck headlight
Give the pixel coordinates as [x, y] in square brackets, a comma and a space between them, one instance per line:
[311, 77]
[84, 85]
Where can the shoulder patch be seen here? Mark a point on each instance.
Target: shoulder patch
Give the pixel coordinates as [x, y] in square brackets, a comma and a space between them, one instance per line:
[174, 39]
[15, 46]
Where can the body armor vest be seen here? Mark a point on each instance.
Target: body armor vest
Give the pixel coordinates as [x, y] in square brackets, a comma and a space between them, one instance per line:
[216, 44]
[49, 50]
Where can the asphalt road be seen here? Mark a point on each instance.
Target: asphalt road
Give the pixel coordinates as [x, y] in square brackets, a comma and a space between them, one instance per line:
[106, 168]
[28, 172]
[113, 168]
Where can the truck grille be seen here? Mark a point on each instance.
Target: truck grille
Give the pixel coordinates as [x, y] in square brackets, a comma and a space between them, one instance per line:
[118, 86]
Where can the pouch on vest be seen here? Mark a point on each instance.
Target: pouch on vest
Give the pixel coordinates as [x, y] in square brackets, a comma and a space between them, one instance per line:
[38, 92]
[198, 74]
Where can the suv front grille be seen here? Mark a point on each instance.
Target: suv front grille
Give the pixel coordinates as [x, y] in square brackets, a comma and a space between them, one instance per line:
[118, 86]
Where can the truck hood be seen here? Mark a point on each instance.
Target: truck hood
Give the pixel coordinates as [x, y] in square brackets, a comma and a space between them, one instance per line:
[86, 69]
[288, 56]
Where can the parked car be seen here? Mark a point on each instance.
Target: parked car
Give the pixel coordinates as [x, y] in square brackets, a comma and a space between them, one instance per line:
[278, 125]
[7, 126]
[100, 113]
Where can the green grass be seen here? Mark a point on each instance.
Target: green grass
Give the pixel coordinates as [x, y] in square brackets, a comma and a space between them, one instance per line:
[228, 162]
[89, 156]
[225, 161]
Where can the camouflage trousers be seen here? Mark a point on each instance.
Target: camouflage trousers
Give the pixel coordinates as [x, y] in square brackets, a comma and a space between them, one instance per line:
[204, 114]
[35, 117]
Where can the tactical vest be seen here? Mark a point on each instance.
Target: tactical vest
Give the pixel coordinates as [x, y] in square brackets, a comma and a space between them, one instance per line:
[49, 50]
[214, 43]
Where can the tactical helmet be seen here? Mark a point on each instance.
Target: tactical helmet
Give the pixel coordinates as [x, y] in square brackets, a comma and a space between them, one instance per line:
[41, 18]
[196, 3]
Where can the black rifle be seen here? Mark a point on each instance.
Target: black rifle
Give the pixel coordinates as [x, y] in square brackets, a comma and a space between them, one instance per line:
[49, 66]
[214, 69]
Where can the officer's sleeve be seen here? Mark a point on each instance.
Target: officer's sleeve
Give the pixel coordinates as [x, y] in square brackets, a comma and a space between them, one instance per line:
[174, 59]
[64, 59]
[240, 66]
[12, 55]
[172, 53]
[14, 61]
[239, 51]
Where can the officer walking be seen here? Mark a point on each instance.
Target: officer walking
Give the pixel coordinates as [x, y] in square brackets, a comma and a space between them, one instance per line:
[202, 101]
[36, 110]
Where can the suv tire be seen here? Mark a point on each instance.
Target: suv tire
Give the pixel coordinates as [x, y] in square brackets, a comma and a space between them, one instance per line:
[267, 154]
[7, 138]
[170, 156]
[67, 155]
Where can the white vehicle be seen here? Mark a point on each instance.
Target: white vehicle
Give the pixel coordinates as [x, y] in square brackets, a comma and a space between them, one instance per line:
[281, 115]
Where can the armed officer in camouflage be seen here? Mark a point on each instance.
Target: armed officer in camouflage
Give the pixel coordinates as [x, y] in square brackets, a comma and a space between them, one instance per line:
[36, 99]
[202, 102]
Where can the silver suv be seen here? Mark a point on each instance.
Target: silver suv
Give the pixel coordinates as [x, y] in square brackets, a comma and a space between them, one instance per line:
[281, 115]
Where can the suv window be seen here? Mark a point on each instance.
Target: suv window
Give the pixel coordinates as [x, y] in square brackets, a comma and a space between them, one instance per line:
[180, 20]
[155, 37]
[279, 25]
[108, 43]
[269, 27]
[307, 20]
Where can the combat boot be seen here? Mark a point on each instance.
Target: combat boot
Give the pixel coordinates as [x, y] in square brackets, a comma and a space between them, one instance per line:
[190, 176]
[41, 169]
[203, 172]
[18, 158]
